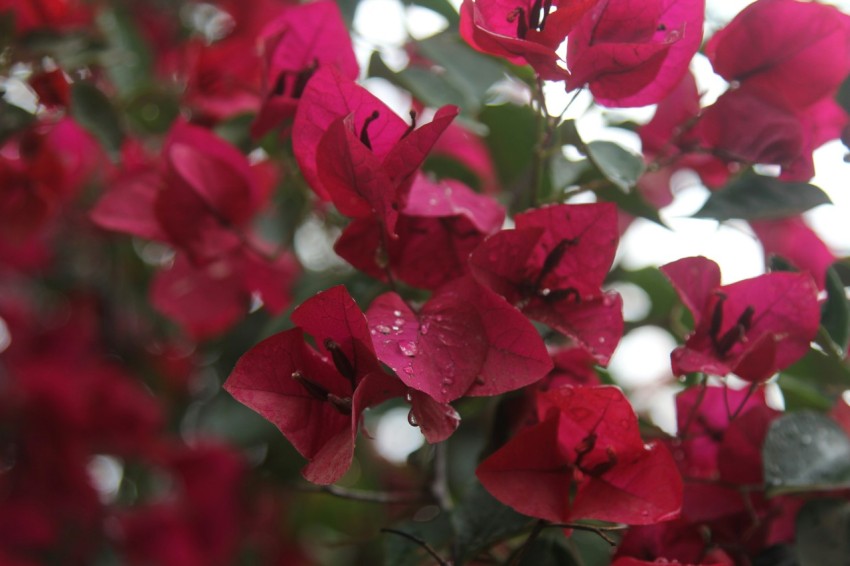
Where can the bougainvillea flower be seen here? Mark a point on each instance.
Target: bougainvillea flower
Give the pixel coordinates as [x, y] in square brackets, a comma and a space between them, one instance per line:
[41, 170]
[792, 53]
[53, 14]
[299, 41]
[552, 267]
[352, 149]
[466, 340]
[439, 227]
[52, 88]
[791, 239]
[200, 199]
[752, 328]
[585, 459]
[316, 398]
[639, 63]
[523, 31]
[469, 150]
[206, 300]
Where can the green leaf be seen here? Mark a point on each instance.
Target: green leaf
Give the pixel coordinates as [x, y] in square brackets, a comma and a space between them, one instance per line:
[631, 202]
[800, 394]
[823, 533]
[835, 312]
[458, 74]
[93, 111]
[481, 521]
[842, 97]
[13, 119]
[511, 140]
[128, 60]
[823, 370]
[616, 163]
[806, 451]
[755, 197]
[153, 110]
[549, 549]
[564, 172]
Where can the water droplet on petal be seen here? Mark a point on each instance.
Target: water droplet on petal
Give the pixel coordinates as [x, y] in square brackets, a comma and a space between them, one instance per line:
[396, 313]
[408, 348]
[383, 329]
[411, 418]
[424, 328]
[545, 292]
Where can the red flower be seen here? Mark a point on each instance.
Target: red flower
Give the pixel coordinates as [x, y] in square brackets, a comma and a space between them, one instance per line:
[553, 266]
[638, 63]
[465, 340]
[440, 225]
[791, 53]
[354, 150]
[793, 240]
[752, 328]
[523, 31]
[299, 41]
[585, 459]
[316, 399]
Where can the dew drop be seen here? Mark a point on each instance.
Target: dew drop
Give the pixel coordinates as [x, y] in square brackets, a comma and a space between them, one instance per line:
[408, 348]
[396, 313]
[545, 292]
[424, 328]
[408, 396]
[411, 418]
[396, 328]
[383, 329]
[409, 371]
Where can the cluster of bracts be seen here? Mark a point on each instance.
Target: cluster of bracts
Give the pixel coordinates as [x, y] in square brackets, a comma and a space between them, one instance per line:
[461, 288]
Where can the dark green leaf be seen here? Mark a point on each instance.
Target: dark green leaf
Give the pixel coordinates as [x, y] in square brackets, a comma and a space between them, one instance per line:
[616, 163]
[13, 119]
[481, 521]
[400, 551]
[549, 549]
[843, 95]
[800, 394]
[511, 139]
[823, 533]
[806, 451]
[93, 111]
[754, 197]
[825, 371]
[835, 312]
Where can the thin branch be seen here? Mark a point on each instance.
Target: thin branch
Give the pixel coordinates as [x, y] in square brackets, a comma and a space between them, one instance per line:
[532, 536]
[366, 496]
[428, 548]
[682, 434]
[600, 531]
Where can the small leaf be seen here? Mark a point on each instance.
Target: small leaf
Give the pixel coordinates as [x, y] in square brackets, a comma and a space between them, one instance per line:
[481, 521]
[616, 163]
[835, 312]
[843, 95]
[94, 112]
[806, 451]
[753, 197]
[823, 533]
[631, 202]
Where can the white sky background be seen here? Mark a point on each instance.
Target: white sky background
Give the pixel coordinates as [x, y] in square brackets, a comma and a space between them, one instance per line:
[641, 362]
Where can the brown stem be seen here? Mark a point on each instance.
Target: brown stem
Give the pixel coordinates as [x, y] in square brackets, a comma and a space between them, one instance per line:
[366, 496]
[600, 531]
[532, 536]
